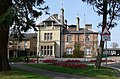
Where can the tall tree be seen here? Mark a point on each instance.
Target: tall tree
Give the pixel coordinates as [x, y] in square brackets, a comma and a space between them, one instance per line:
[110, 10]
[19, 15]
[114, 45]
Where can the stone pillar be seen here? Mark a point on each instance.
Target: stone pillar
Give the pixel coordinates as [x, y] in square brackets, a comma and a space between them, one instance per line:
[38, 42]
[53, 53]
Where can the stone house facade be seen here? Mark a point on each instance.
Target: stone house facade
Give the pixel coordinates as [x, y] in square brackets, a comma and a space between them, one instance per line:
[55, 37]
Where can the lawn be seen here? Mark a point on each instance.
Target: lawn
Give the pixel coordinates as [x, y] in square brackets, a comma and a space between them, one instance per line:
[102, 73]
[19, 74]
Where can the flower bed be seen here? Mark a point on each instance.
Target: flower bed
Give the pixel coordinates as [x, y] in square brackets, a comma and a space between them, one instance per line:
[70, 65]
[72, 61]
[32, 60]
[66, 63]
[49, 61]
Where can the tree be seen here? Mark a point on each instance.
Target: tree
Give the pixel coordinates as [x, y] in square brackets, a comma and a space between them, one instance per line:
[77, 52]
[19, 15]
[110, 10]
[114, 45]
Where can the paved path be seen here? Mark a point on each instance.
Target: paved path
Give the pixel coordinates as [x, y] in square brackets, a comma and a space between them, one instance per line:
[55, 75]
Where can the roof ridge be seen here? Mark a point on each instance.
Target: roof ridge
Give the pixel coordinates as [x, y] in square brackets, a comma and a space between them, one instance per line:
[55, 19]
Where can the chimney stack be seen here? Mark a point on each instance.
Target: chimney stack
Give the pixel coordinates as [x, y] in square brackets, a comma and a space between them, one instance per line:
[62, 17]
[78, 24]
[55, 15]
[88, 26]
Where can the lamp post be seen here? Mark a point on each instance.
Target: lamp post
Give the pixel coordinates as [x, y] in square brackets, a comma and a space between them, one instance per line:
[38, 58]
[106, 53]
[84, 40]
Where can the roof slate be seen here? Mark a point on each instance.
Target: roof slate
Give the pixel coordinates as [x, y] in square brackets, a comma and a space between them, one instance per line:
[26, 36]
[52, 18]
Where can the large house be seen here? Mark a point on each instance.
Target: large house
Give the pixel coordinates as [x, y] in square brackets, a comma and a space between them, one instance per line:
[55, 37]
[87, 39]
[25, 47]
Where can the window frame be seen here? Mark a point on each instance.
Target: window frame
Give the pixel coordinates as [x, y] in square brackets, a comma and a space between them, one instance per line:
[69, 51]
[69, 38]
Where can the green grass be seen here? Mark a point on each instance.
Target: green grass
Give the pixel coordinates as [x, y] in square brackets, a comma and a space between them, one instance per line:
[102, 73]
[19, 74]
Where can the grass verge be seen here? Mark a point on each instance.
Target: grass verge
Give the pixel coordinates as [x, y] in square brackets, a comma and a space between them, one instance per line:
[102, 73]
[19, 74]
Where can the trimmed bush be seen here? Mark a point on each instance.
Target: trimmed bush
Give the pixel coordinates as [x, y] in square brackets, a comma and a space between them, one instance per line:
[78, 54]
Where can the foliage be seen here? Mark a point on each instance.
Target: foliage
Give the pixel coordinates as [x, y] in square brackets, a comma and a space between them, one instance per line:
[26, 13]
[77, 46]
[7, 18]
[67, 56]
[22, 59]
[113, 10]
[110, 10]
[17, 16]
[114, 45]
[77, 53]
[21, 15]
[16, 59]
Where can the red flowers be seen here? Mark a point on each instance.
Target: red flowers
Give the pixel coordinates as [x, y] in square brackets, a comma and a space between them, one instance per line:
[67, 63]
[49, 61]
[70, 65]
[72, 61]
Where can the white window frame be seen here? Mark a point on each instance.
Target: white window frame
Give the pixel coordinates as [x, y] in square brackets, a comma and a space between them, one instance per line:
[69, 51]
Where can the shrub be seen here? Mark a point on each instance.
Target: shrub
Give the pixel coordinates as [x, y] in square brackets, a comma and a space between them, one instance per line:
[68, 56]
[16, 59]
[78, 54]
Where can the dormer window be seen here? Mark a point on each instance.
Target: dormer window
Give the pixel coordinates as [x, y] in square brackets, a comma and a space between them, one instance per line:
[49, 24]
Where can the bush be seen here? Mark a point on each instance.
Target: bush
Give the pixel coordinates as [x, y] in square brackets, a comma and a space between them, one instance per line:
[68, 56]
[16, 59]
[78, 54]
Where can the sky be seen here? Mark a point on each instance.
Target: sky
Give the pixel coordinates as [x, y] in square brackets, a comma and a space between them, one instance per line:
[74, 8]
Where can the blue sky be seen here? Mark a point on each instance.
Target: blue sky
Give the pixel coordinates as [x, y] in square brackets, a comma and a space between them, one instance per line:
[86, 13]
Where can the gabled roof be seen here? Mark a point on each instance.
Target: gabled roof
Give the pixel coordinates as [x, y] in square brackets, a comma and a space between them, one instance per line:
[30, 35]
[53, 18]
[26, 36]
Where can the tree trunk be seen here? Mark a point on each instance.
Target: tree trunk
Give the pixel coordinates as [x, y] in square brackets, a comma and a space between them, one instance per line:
[100, 52]
[4, 63]
[4, 32]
